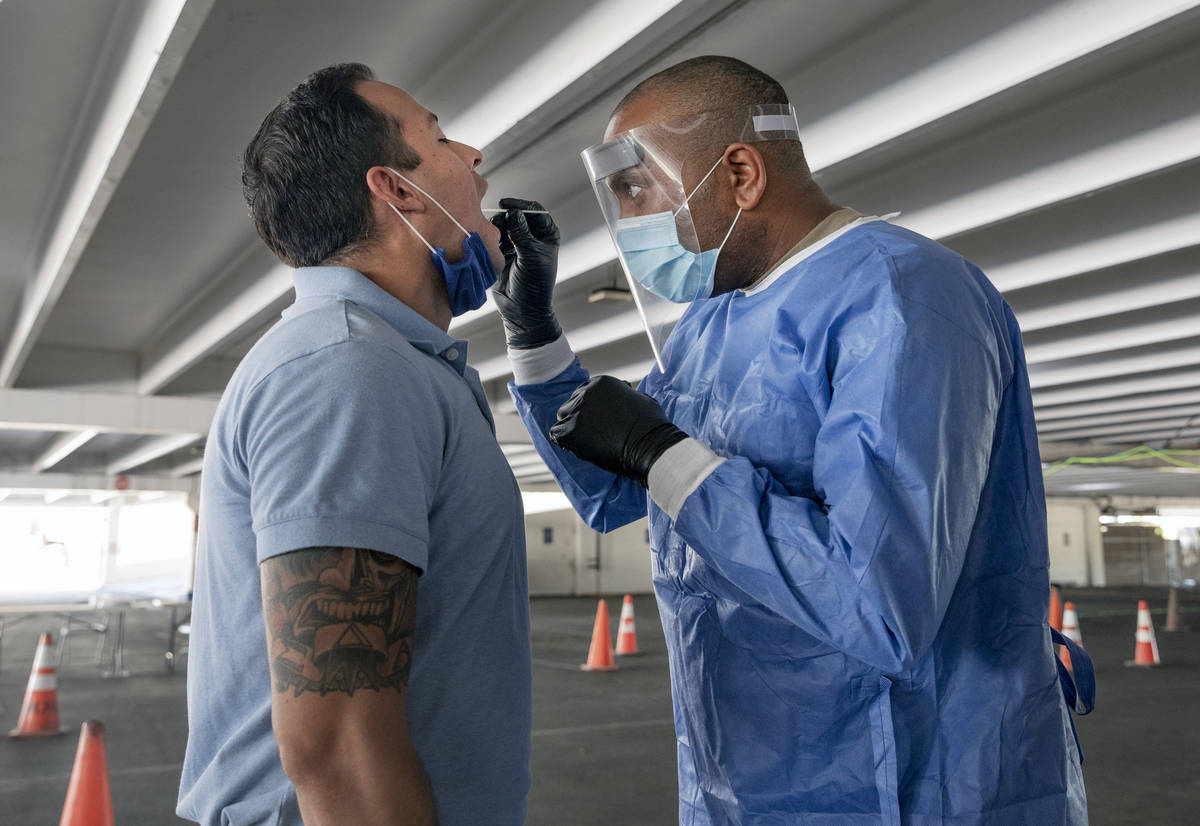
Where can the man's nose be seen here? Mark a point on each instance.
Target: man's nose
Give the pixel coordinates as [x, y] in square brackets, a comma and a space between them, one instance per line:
[471, 155]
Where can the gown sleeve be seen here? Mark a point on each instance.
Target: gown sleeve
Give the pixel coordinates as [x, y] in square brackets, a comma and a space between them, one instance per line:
[603, 500]
[902, 454]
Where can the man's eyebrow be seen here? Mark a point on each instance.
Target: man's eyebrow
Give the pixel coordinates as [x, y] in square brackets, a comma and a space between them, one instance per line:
[433, 117]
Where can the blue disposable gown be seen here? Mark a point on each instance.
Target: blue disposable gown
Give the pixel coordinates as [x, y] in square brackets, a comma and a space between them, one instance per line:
[854, 601]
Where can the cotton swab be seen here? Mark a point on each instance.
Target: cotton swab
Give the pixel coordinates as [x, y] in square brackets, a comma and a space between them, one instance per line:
[526, 211]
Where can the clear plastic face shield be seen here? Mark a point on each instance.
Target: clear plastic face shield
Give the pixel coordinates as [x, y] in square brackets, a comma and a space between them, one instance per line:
[638, 177]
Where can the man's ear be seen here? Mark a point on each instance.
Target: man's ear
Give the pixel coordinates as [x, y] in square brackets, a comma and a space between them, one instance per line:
[391, 189]
[747, 172]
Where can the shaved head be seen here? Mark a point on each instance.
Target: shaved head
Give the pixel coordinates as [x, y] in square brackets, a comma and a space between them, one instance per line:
[709, 84]
[762, 198]
[705, 83]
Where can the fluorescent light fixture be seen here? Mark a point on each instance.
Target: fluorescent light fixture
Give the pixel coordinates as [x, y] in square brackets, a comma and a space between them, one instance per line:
[609, 294]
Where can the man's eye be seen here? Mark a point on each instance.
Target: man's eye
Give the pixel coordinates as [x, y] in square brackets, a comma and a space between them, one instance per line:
[633, 190]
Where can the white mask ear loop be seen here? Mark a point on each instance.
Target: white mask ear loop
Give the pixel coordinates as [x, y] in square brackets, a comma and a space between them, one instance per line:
[432, 251]
[731, 226]
[435, 203]
[696, 188]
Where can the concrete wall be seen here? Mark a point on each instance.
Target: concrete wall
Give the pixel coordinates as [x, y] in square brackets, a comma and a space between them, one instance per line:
[1135, 555]
[1076, 551]
[578, 561]
[550, 545]
[625, 560]
[567, 558]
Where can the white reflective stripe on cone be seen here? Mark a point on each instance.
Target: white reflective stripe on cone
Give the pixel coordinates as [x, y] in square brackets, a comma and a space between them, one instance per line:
[43, 682]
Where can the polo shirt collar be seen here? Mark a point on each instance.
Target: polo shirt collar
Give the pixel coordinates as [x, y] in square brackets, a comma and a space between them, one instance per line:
[352, 285]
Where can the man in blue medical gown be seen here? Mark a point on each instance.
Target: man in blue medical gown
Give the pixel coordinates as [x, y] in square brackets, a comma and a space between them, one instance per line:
[840, 463]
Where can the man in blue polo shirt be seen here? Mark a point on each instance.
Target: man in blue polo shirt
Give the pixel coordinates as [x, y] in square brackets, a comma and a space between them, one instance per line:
[355, 500]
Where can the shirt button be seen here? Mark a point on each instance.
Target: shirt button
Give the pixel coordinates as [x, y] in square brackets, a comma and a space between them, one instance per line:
[452, 354]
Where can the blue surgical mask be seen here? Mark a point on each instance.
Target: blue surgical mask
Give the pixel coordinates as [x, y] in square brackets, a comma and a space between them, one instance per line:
[467, 280]
[651, 250]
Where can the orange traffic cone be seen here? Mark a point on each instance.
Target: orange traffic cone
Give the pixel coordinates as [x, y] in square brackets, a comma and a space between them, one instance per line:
[89, 800]
[1070, 630]
[626, 632]
[1056, 610]
[1145, 649]
[39, 711]
[600, 654]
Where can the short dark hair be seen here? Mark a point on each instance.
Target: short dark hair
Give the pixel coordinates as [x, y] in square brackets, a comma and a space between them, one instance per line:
[304, 171]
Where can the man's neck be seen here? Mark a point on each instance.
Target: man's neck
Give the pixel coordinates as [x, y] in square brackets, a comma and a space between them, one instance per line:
[830, 223]
[410, 278]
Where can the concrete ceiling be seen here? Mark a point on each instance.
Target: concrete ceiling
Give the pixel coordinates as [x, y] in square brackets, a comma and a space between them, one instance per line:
[1056, 144]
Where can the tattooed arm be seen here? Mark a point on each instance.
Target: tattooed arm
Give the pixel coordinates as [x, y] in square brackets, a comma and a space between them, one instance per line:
[340, 640]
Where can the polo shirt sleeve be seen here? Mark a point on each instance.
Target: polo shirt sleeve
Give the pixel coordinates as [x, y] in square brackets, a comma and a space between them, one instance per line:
[343, 448]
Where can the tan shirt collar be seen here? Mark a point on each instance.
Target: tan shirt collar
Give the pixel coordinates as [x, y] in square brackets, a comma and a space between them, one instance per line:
[831, 224]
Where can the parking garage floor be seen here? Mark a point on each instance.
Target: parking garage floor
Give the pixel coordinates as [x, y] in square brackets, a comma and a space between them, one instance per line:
[603, 749]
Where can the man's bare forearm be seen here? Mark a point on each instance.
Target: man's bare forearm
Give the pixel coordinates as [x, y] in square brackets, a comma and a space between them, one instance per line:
[340, 631]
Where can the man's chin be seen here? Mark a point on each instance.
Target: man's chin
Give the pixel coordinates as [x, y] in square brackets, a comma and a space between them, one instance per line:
[491, 240]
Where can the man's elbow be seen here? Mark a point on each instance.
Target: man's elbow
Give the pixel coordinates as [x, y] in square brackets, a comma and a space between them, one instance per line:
[308, 757]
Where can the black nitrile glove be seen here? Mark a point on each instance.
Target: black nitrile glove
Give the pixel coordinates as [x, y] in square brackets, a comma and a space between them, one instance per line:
[523, 291]
[608, 423]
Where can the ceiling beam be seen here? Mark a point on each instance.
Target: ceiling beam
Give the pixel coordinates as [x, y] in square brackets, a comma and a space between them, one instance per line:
[529, 461]
[153, 55]
[1040, 44]
[1124, 428]
[21, 482]
[241, 297]
[1113, 336]
[1111, 391]
[71, 410]
[1108, 404]
[1088, 304]
[510, 430]
[572, 66]
[1159, 358]
[1113, 249]
[150, 450]
[1054, 451]
[188, 468]
[61, 447]
[1156, 149]
[1059, 425]
[1190, 436]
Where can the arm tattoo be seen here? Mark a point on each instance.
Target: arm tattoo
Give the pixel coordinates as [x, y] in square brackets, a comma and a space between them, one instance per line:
[339, 619]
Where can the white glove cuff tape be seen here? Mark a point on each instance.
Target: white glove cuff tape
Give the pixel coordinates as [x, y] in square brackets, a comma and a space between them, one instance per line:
[679, 471]
[540, 364]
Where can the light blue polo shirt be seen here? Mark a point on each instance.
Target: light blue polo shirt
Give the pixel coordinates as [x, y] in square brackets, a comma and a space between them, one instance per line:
[354, 422]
